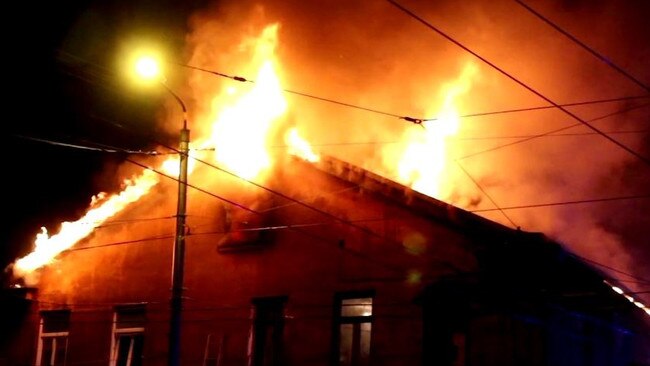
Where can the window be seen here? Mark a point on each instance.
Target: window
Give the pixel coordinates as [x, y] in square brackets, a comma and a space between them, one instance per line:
[128, 335]
[243, 231]
[353, 326]
[268, 329]
[53, 338]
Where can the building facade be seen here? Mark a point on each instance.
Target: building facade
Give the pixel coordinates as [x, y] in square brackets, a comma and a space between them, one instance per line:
[331, 265]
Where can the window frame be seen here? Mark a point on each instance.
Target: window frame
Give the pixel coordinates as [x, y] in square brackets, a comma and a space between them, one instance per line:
[261, 325]
[52, 335]
[338, 319]
[117, 333]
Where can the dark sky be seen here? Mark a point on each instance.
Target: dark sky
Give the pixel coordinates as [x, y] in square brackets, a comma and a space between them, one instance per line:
[63, 85]
[51, 95]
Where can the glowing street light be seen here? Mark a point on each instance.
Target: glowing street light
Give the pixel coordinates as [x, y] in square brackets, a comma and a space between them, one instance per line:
[147, 68]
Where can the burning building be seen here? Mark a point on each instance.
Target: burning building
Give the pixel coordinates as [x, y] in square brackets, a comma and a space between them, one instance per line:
[344, 268]
[296, 258]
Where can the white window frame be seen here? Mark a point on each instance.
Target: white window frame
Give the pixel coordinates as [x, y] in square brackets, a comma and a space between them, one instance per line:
[116, 334]
[42, 335]
[366, 317]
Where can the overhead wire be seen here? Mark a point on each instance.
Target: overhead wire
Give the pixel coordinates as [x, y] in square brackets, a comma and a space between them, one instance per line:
[430, 26]
[307, 95]
[638, 278]
[530, 109]
[552, 132]
[607, 61]
[193, 186]
[87, 147]
[485, 193]
[565, 203]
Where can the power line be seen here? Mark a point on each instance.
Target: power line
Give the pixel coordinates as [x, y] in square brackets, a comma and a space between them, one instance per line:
[609, 267]
[505, 137]
[86, 147]
[485, 193]
[552, 132]
[564, 203]
[303, 94]
[134, 241]
[529, 109]
[521, 83]
[194, 187]
[205, 233]
[575, 40]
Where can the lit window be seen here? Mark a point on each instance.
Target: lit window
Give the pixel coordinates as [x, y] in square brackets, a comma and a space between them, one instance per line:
[353, 328]
[128, 335]
[53, 338]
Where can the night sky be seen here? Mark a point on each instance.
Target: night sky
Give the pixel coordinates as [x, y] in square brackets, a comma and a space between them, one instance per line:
[65, 85]
[54, 96]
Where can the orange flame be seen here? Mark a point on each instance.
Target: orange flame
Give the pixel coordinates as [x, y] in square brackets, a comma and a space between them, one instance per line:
[241, 132]
[424, 161]
[47, 247]
[300, 147]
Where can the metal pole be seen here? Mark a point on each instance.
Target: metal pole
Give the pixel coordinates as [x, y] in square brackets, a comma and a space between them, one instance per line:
[176, 302]
[179, 256]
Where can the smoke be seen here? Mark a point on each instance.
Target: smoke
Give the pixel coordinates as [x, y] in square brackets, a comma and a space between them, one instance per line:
[371, 55]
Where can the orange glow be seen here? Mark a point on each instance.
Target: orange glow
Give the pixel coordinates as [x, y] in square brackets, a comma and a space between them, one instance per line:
[241, 131]
[48, 247]
[300, 147]
[424, 161]
[172, 167]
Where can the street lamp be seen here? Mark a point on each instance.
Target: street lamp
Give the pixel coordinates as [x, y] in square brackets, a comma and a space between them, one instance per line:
[147, 68]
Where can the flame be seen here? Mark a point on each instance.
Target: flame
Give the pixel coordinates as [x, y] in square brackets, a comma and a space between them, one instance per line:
[241, 132]
[47, 247]
[300, 147]
[172, 167]
[424, 161]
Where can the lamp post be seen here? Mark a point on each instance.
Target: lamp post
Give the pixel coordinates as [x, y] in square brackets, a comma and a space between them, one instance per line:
[147, 67]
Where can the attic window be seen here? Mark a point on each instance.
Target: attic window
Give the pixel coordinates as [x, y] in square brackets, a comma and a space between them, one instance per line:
[244, 231]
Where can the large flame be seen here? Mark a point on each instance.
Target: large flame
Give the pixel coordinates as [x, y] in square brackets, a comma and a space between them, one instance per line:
[47, 247]
[241, 131]
[241, 136]
[425, 160]
[298, 146]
